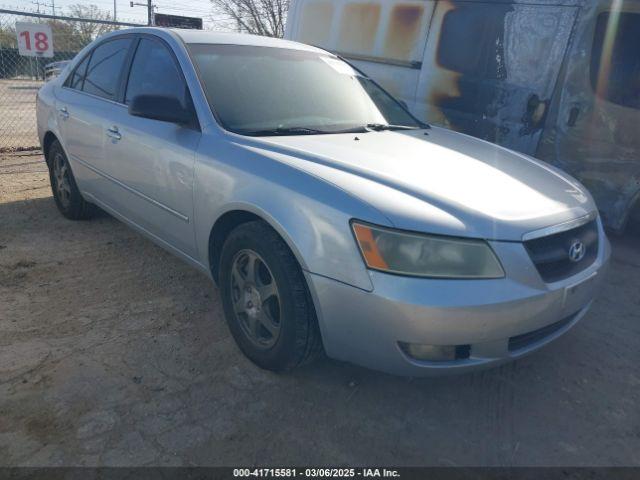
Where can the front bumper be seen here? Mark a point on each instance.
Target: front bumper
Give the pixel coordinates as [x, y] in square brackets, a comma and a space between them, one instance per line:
[491, 316]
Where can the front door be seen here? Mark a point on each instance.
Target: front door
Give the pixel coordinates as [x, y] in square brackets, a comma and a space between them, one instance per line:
[153, 161]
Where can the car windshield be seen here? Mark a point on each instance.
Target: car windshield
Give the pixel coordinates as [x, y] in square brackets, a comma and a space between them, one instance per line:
[274, 91]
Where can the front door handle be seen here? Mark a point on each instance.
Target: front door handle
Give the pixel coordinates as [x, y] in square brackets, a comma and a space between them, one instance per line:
[63, 112]
[114, 133]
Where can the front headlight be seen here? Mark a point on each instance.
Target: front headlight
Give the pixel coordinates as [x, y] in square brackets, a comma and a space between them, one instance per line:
[421, 255]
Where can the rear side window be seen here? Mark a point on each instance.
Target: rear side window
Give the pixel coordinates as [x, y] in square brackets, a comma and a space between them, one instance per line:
[154, 72]
[105, 67]
[76, 79]
[615, 58]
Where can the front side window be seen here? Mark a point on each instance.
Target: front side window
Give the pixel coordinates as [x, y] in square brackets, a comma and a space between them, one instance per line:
[261, 90]
[154, 72]
[105, 67]
[615, 58]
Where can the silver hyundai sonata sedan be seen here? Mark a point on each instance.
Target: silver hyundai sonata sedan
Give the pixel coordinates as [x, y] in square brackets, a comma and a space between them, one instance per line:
[329, 217]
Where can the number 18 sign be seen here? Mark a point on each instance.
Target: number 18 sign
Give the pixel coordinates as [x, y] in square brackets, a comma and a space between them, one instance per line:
[34, 39]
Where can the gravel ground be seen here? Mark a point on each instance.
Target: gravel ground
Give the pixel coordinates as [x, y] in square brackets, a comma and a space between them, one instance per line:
[112, 352]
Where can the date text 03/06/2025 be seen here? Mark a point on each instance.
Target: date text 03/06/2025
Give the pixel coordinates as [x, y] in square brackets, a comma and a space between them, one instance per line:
[316, 473]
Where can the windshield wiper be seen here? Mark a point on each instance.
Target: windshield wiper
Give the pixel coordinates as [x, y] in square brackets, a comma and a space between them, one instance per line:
[378, 127]
[284, 131]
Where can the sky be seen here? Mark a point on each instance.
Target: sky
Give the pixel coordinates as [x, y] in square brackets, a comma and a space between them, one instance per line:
[124, 12]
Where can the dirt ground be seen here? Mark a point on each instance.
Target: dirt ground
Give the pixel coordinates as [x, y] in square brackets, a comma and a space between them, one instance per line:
[112, 352]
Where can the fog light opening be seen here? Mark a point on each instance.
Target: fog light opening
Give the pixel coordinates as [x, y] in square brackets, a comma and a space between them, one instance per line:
[435, 353]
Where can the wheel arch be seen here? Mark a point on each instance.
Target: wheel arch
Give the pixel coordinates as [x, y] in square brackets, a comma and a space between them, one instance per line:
[233, 217]
[47, 140]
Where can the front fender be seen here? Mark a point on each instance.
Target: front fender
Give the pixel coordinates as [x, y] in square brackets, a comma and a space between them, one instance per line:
[311, 215]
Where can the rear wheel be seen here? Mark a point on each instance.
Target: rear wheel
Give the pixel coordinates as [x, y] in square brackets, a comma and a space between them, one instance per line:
[63, 185]
[265, 298]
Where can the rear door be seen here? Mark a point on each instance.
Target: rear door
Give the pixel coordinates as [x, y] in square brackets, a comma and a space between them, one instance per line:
[490, 68]
[87, 96]
[152, 161]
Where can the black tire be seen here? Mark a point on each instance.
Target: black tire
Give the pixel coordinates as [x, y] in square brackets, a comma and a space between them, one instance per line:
[63, 185]
[298, 340]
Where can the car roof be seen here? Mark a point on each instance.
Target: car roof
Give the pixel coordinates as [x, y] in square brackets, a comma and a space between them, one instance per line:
[225, 38]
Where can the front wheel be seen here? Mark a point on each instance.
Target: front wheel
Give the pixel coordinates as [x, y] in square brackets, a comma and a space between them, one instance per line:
[265, 299]
[63, 185]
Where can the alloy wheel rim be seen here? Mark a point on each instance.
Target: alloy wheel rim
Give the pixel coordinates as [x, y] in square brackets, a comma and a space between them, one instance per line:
[61, 176]
[256, 299]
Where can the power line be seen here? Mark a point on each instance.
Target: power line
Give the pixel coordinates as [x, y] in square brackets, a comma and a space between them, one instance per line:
[37, 3]
[22, 10]
[210, 16]
[65, 18]
[183, 9]
[108, 5]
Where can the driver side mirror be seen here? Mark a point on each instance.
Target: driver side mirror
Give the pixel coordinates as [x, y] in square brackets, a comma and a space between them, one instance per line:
[160, 107]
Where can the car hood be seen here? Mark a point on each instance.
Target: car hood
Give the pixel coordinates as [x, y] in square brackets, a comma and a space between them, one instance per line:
[439, 181]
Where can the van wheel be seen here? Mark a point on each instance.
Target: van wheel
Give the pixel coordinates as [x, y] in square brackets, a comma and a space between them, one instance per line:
[65, 190]
[265, 298]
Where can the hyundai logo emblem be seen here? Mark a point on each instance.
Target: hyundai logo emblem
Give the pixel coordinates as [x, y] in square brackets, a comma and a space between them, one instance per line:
[577, 251]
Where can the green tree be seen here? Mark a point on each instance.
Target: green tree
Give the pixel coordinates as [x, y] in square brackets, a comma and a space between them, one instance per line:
[64, 37]
[84, 33]
[8, 37]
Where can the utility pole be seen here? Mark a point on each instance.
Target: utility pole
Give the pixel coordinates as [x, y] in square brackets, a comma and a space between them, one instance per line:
[39, 3]
[149, 13]
[115, 17]
[150, 8]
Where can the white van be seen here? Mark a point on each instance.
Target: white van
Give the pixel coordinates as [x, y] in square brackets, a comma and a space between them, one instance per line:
[557, 79]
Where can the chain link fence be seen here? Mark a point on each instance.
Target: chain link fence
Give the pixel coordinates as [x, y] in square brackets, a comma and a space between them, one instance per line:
[22, 76]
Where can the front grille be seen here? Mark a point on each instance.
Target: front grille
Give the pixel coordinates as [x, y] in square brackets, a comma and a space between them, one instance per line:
[522, 341]
[550, 254]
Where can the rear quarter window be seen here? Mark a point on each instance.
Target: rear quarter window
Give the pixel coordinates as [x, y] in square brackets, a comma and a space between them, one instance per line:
[76, 79]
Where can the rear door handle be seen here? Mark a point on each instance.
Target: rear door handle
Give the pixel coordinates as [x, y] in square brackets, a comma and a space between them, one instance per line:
[573, 116]
[63, 112]
[114, 133]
